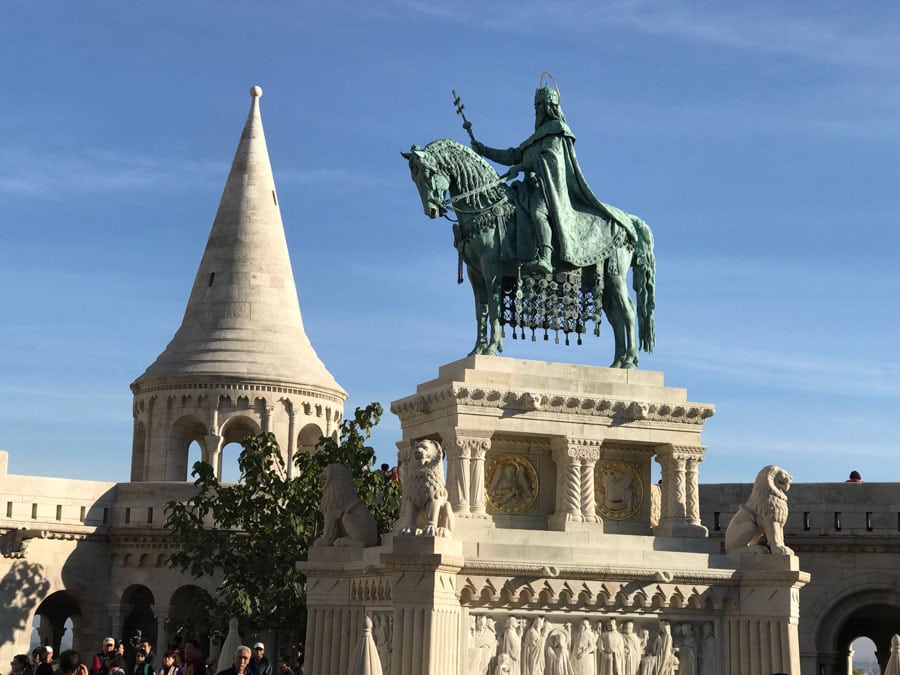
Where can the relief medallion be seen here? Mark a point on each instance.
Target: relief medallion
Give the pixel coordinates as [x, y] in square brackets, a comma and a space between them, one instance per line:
[619, 490]
[511, 484]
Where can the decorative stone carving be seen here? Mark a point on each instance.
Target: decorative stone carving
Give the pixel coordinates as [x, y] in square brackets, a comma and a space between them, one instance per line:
[424, 500]
[482, 645]
[633, 649]
[383, 634]
[512, 484]
[619, 489]
[347, 520]
[533, 647]
[687, 650]
[584, 650]
[664, 651]
[556, 654]
[893, 664]
[612, 650]
[764, 513]
[709, 650]
[512, 647]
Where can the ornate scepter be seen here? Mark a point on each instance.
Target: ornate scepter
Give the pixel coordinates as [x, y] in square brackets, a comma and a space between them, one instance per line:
[467, 125]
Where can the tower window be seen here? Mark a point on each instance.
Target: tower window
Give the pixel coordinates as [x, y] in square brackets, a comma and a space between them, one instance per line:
[212, 276]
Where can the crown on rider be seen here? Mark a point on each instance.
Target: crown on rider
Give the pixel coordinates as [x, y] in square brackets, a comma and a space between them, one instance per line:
[546, 95]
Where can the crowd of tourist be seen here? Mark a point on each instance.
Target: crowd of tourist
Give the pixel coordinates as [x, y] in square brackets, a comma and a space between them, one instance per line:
[110, 660]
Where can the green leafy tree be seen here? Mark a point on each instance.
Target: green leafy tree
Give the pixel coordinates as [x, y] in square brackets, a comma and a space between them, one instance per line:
[251, 533]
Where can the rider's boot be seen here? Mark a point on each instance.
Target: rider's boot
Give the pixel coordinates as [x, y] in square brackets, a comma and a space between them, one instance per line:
[542, 264]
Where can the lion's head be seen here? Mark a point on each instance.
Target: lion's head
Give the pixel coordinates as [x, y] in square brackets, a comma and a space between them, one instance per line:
[427, 453]
[769, 496]
[337, 487]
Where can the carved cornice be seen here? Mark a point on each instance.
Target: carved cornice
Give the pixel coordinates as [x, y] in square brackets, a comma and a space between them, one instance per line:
[457, 395]
[238, 386]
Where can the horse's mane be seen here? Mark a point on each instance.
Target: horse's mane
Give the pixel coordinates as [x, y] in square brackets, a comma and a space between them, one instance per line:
[469, 168]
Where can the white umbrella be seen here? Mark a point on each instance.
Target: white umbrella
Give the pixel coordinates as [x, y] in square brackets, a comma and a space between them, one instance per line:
[229, 647]
[893, 664]
[365, 659]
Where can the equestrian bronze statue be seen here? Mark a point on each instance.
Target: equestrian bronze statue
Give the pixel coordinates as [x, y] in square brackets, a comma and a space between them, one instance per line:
[543, 254]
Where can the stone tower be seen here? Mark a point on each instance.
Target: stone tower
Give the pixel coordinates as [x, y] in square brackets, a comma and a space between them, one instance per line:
[241, 362]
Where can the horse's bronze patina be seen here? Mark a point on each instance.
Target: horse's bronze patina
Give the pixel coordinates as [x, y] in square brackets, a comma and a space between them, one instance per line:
[487, 238]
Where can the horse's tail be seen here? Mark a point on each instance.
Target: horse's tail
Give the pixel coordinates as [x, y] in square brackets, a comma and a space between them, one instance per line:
[644, 281]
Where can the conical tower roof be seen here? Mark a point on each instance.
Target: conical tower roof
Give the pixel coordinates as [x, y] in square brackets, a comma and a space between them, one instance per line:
[243, 317]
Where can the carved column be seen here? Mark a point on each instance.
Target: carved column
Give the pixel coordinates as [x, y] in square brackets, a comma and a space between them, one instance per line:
[675, 520]
[478, 449]
[457, 450]
[162, 635]
[575, 504]
[692, 489]
[117, 614]
[267, 415]
[213, 453]
[589, 457]
[292, 438]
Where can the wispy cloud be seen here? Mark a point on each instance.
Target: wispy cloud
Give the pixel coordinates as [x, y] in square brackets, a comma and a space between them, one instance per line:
[773, 28]
[795, 370]
[98, 172]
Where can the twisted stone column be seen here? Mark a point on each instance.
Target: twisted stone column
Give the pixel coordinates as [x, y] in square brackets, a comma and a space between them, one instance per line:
[680, 514]
[575, 503]
[589, 457]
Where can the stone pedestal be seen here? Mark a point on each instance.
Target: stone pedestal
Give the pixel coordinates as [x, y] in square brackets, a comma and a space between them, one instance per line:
[549, 477]
[580, 437]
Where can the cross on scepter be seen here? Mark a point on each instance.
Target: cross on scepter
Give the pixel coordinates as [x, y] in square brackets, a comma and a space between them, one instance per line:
[467, 125]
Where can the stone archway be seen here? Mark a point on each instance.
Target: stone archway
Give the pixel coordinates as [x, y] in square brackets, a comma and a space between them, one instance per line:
[55, 610]
[185, 430]
[871, 612]
[234, 430]
[140, 621]
[189, 617]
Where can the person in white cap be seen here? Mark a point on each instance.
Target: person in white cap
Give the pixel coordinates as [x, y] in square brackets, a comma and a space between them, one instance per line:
[98, 664]
[259, 664]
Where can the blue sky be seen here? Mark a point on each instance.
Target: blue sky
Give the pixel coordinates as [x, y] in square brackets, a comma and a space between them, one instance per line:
[759, 141]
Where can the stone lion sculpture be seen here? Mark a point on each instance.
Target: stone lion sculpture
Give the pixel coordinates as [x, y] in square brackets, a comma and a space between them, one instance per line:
[347, 520]
[424, 507]
[764, 513]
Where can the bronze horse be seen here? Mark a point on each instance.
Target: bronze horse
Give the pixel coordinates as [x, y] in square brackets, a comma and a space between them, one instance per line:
[486, 209]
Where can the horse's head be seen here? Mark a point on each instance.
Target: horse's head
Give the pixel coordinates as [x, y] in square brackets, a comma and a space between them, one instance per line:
[430, 181]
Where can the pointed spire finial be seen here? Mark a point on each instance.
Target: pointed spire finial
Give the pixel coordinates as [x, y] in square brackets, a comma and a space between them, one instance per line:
[256, 91]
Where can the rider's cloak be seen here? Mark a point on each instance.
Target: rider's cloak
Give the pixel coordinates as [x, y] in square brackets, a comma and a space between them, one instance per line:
[585, 230]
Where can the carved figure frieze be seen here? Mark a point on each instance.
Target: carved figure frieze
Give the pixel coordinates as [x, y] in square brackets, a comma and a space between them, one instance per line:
[588, 646]
[512, 484]
[619, 490]
[383, 634]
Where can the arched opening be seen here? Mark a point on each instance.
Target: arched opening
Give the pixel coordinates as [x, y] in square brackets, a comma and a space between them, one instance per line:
[234, 431]
[189, 617]
[138, 446]
[185, 431]
[54, 621]
[140, 622]
[862, 657]
[308, 438]
[194, 455]
[873, 613]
